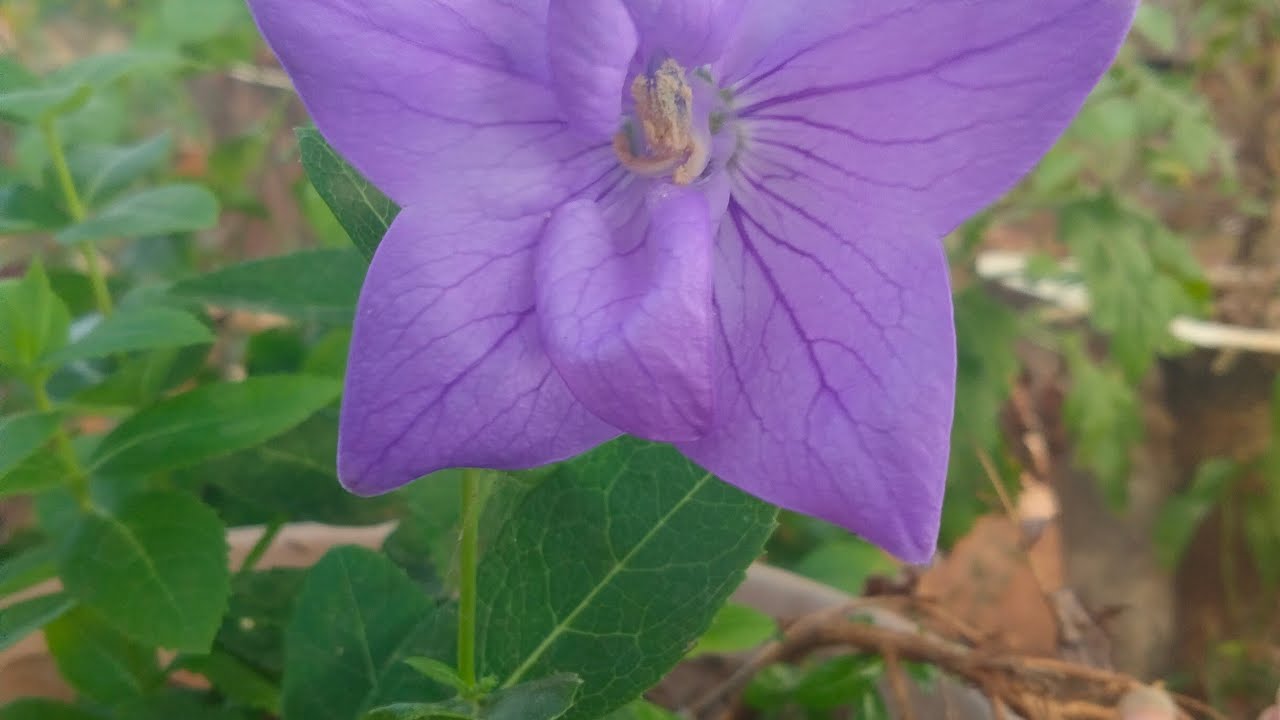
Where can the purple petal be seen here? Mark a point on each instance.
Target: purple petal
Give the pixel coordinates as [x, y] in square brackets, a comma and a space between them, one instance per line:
[592, 45]
[837, 359]
[693, 32]
[423, 95]
[624, 302]
[932, 108]
[446, 367]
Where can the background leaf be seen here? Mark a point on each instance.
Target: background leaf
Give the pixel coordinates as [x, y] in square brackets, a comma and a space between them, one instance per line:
[645, 548]
[362, 210]
[23, 618]
[323, 284]
[97, 660]
[140, 327]
[155, 211]
[158, 571]
[23, 434]
[212, 420]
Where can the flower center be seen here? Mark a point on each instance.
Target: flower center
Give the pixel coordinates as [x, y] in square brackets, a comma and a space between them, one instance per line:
[663, 138]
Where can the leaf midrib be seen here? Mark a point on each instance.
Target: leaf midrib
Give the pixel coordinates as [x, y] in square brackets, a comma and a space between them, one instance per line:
[563, 625]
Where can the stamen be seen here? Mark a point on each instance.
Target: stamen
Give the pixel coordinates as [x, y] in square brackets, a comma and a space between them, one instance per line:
[664, 109]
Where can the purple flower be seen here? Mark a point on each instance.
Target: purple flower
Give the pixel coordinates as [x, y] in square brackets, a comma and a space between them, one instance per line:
[714, 223]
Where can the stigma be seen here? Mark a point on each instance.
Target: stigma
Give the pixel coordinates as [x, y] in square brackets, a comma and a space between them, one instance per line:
[663, 139]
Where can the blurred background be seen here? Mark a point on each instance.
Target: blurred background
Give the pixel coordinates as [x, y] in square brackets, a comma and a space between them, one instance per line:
[1114, 491]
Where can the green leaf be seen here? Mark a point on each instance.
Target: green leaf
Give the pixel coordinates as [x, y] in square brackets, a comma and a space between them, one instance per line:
[195, 21]
[363, 211]
[356, 621]
[735, 628]
[23, 434]
[323, 284]
[234, 679]
[639, 710]
[28, 568]
[1157, 26]
[569, 584]
[99, 171]
[97, 660]
[35, 104]
[141, 327]
[154, 211]
[254, 625]
[24, 209]
[441, 672]
[106, 69]
[158, 570]
[544, 699]
[21, 619]
[840, 682]
[1183, 513]
[1104, 416]
[292, 476]
[41, 709]
[846, 564]
[33, 321]
[177, 704]
[212, 420]
[14, 75]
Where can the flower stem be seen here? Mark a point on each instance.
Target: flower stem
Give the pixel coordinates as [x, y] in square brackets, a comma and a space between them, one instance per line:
[467, 551]
[75, 206]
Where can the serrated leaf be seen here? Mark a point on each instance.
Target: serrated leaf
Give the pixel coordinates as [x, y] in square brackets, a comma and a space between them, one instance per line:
[610, 568]
[322, 284]
[97, 660]
[544, 699]
[99, 171]
[212, 420]
[23, 434]
[362, 210]
[735, 628]
[356, 621]
[158, 569]
[142, 327]
[33, 321]
[21, 619]
[154, 211]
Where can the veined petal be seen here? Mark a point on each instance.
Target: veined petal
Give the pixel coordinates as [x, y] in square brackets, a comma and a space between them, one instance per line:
[422, 96]
[836, 373]
[447, 368]
[626, 311]
[591, 46]
[693, 32]
[932, 108]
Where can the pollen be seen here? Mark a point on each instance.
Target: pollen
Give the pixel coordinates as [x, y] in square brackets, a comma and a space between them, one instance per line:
[664, 120]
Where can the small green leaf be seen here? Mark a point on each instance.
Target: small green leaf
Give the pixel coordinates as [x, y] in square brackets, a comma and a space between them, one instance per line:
[569, 583]
[100, 171]
[21, 619]
[260, 607]
[142, 327]
[35, 104]
[362, 210]
[212, 420]
[195, 21]
[97, 660]
[158, 570]
[1103, 414]
[640, 710]
[1183, 513]
[24, 209]
[235, 679]
[545, 699]
[441, 672]
[735, 628]
[106, 69]
[41, 709]
[28, 568]
[33, 321]
[1157, 26]
[315, 283]
[155, 211]
[23, 434]
[14, 75]
[846, 564]
[356, 621]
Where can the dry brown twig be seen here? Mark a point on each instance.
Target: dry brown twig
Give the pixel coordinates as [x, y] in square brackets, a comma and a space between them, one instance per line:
[1033, 687]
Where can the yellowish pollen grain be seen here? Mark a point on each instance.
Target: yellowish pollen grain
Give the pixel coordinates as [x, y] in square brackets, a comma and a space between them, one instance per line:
[664, 111]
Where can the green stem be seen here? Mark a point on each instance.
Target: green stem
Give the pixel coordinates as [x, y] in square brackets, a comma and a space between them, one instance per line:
[62, 444]
[75, 206]
[260, 547]
[467, 552]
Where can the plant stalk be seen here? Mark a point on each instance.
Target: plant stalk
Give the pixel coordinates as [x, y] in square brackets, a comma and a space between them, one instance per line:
[468, 543]
[75, 206]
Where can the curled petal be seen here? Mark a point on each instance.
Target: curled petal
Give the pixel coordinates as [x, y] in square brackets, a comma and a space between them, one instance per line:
[836, 374]
[421, 96]
[591, 46]
[446, 367]
[693, 32]
[626, 312]
[932, 108]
